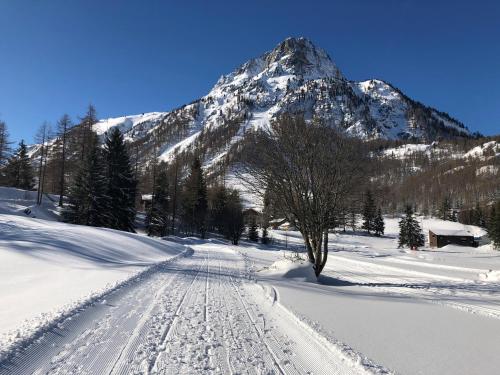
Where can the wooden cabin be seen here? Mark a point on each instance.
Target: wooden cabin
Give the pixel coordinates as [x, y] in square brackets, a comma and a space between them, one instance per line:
[145, 202]
[251, 214]
[275, 223]
[441, 237]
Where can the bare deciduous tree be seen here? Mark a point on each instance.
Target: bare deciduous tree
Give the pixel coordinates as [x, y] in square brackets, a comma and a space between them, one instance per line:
[308, 170]
[42, 138]
[64, 125]
[5, 150]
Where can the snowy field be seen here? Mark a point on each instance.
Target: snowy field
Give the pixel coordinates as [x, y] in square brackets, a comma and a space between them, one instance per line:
[48, 268]
[434, 311]
[92, 301]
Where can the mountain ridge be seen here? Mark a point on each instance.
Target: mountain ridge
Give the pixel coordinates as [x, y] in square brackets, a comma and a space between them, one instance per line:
[296, 78]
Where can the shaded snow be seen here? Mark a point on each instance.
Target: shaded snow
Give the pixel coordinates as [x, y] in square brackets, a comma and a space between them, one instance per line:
[48, 268]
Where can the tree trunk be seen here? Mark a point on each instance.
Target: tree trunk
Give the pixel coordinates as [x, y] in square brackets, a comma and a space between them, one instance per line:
[325, 251]
[39, 196]
[310, 253]
[63, 162]
[174, 198]
[44, 172]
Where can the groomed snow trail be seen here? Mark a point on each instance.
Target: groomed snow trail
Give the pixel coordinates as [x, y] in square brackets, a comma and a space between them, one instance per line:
[200, 314]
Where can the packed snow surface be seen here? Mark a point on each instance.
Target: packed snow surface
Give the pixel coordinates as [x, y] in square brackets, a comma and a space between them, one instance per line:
[199, 314]
[207, 307]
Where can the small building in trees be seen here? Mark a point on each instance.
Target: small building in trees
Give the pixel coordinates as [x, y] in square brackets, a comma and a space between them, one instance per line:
[442, 237]
[250, 215]
[276, 223]
[146, 200]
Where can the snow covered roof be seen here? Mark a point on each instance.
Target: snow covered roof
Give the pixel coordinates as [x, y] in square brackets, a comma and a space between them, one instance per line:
[451, 232]
[278, 221]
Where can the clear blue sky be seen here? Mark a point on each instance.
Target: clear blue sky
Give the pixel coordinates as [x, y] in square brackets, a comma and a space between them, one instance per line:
[129, 57]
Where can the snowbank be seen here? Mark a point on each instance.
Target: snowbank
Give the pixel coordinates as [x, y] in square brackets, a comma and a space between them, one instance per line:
[48, 268]
[291, 269]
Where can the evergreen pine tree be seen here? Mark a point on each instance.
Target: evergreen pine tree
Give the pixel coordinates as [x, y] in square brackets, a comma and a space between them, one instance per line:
[19, 172]
[265, 236]
[194, 200]
[454, 216]
[253, 234]
[444, 211]
[379, 225]
[410, 233]
[122, 184]
[477, 216]
[369, 212]
[87, 196]
[353, 218]
[493, 225]
[158, 214]
[266, 217]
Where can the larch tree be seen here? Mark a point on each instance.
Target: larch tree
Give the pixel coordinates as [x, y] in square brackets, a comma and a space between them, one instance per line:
[85, 132]
[63, 126]
[234, 224]
[5, 150]
[42, 138]
[174, 195]
[217, 205]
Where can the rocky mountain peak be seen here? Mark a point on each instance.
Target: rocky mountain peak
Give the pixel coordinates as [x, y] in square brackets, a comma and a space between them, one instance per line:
[293, 58]
[297, 78]
[299, 56]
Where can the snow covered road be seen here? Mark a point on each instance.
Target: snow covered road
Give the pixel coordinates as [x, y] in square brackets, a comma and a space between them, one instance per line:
[200, 314]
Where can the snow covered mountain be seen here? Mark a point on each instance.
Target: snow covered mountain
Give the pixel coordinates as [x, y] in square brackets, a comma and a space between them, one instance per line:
[296, 77]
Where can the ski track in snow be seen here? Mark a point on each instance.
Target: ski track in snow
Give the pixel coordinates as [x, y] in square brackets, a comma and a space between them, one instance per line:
[200, 314]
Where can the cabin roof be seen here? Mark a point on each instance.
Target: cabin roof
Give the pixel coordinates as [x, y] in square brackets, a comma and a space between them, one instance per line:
[451, 232]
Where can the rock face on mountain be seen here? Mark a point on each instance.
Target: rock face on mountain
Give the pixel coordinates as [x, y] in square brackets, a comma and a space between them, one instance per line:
[295, 78]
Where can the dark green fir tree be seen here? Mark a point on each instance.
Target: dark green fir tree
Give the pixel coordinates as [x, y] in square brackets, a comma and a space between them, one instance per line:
[87, 203]
[253, 233]
[369, 213]
[410, 233]
[122, 184]
[378, 224]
